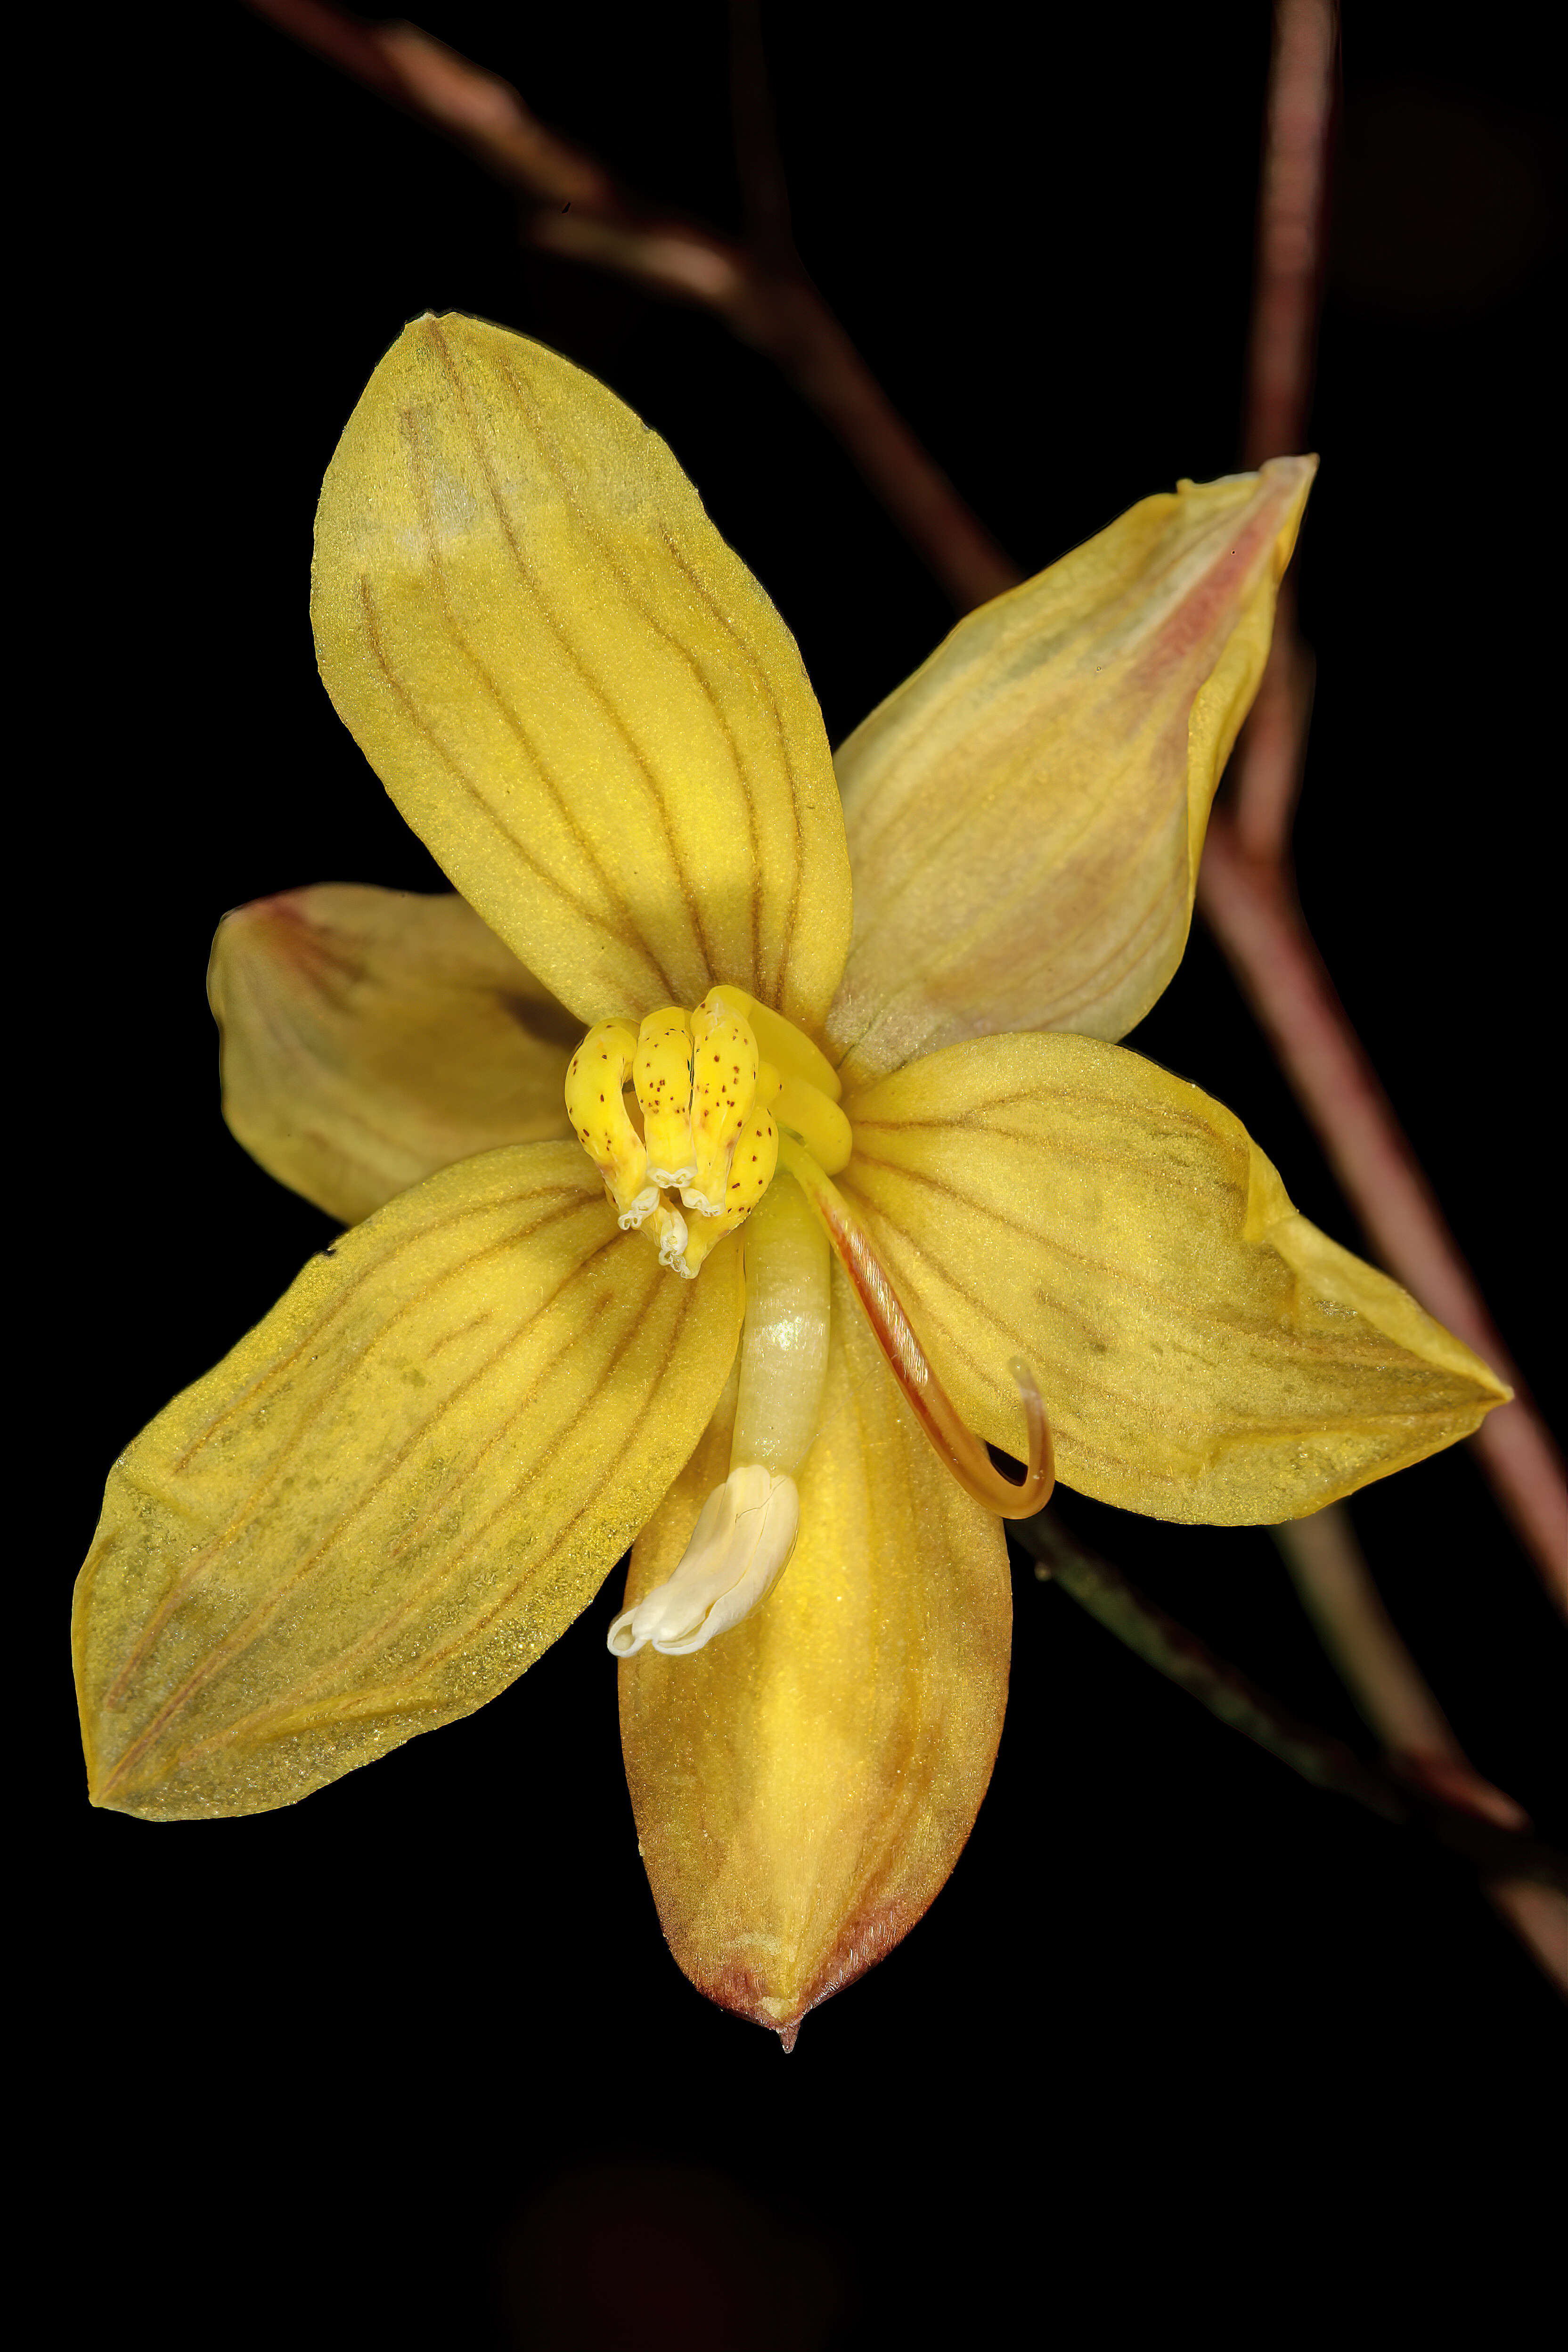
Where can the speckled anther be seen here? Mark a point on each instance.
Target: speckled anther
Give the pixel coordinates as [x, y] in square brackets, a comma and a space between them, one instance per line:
[699, 1150]
[663, 1075]
[596, 1075]
[725, 1067]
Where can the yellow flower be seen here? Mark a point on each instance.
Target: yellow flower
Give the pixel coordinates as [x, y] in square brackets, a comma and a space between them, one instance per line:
[413, 1476]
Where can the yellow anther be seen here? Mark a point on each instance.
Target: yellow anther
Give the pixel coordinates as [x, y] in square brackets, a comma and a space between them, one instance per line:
[789, 1049]
[751, 1166]
[712, 1113]
[723, 1086]
[703, 1234]
[663, 1075]
[819, 1124]
[598, 1070]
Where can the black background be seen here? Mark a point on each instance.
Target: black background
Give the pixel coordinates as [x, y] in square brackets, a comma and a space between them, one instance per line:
[410, 2062]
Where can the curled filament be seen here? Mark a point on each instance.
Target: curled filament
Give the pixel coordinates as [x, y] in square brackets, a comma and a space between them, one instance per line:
[957, 1444]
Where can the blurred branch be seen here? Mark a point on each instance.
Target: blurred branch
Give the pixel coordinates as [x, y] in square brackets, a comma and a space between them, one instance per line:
[1245, 885]
[1251, 907]
[1432, 1787]
[1337, 1591]
[1392, 1696]
[572, 206]
[1183, 1659]
[1292, 212]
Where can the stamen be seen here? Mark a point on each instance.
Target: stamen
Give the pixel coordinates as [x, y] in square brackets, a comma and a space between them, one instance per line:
[598, 1072]
[724, 1066]
[662, 1072]
[789, 1049]
[710, 1108]
[743, 1536]
[964, 1453]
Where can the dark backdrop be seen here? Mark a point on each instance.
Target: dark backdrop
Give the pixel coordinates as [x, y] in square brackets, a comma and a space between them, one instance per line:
[1178, 2026]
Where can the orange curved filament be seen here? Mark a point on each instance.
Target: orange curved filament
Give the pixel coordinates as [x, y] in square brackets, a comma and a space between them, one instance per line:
[955, 1443]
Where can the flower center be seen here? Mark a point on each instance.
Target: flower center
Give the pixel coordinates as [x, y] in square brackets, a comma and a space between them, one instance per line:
[724, 1096]
[712, 1088]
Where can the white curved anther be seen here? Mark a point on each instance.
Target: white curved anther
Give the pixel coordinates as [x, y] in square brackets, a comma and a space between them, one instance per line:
[644, 1205]
[738, 1549]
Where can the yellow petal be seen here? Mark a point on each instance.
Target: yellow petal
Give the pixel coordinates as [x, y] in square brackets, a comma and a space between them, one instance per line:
[371, 1037]
[1203, 1351]
[574, 692]
[394, 1492]
[1025, 814]
[803, 1786]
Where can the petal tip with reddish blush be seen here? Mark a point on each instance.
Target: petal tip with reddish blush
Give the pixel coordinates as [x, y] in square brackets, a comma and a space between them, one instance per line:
[1025, 814]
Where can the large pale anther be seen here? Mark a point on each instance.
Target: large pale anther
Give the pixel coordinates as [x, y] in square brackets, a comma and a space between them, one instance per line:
[743, 1536]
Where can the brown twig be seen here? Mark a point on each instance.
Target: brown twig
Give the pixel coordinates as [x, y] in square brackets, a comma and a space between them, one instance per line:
[1392, 1696]
[574, 207]
[1183, 1659]
[1250, 904]
[1246, 886]
[1526, 1881]
[1292, 208]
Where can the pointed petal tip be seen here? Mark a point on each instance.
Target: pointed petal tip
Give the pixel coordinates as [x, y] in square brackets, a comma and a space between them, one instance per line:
[790, 2035]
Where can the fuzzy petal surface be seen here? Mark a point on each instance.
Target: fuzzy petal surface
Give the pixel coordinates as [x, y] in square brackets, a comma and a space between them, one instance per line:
[371, 1037]
[394, 1492]
[803, 1785]
[1027, 812]
[1204, 1352]
[576, 694]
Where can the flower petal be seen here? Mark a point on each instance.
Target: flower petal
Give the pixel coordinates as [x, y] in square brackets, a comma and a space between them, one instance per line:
[574, 692]
[371, 1037]
[1203, 1351]
[1027, 812]
[394, 1492]
[803, 1785]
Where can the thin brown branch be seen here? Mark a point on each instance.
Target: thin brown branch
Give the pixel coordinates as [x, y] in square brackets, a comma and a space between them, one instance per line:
[574, 207]
[1526, 1881]
[1250, 904]
[1293, 204]
[1390, 1693]
[1246, 889]
[1183, 1659]
[759, 167]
